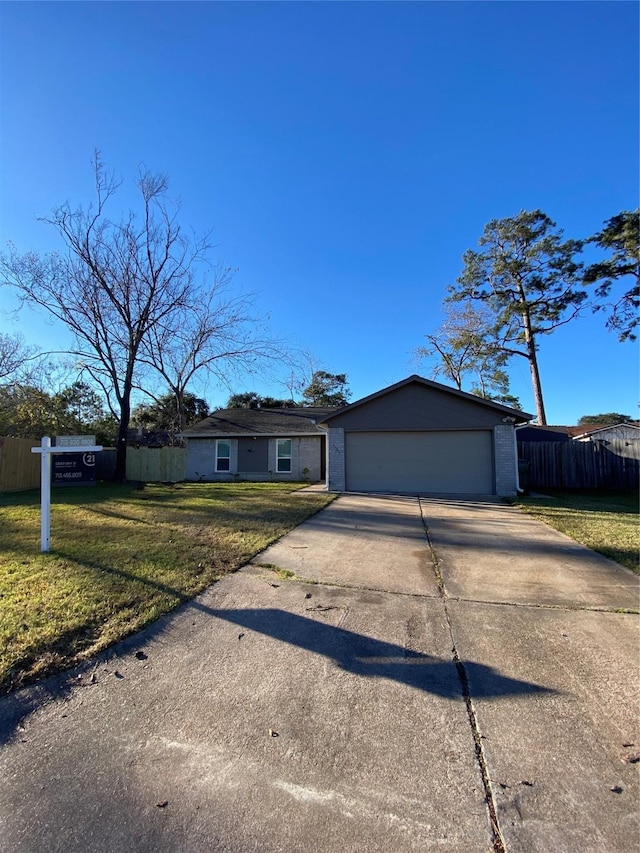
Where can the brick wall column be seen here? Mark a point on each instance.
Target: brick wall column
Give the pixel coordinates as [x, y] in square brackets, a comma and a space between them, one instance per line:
[505, 448]
[335, 460]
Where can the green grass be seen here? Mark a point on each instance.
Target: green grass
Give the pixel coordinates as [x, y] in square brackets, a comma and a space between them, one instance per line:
[122, 557]
[606, 522]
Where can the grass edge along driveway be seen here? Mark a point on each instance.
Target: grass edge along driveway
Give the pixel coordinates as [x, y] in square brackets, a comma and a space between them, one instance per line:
[120, 558]
[606, 522]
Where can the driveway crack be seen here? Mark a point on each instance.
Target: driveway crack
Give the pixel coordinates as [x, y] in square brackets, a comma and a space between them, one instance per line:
[334, 584]
[527, 605]
[499, 845]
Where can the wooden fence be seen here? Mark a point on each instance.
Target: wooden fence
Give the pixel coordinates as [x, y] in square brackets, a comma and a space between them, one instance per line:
[146, 464]
[580, 465]
[19, 467]
[157, 464]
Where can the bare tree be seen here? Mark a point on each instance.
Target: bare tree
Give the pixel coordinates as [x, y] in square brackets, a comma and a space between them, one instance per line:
[213, 332]
[115, 285]
[302, 367]
[15, 357]
[462, 348]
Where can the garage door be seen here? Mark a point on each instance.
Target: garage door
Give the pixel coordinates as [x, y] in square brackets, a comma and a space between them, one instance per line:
[445, 462]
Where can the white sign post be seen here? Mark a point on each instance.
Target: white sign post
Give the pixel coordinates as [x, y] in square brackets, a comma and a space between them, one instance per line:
[45, 482]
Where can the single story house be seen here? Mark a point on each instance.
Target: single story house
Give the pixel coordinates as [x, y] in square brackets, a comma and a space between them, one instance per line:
[258, 444]
[420, 436]
[414, 436]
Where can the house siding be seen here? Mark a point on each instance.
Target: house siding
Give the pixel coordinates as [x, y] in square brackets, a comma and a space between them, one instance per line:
[416, 407]
[201, 460]
[305, 453]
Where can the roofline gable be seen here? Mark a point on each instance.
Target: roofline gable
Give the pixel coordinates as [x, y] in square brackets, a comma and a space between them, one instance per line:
[605, 427]
[523, 417]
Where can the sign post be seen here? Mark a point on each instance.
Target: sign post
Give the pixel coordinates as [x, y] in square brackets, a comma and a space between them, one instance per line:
[46, 451]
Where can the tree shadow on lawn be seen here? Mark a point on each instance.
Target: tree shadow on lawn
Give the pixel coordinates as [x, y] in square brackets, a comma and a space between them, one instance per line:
[596, 501]
[239, 511]
[361, 655]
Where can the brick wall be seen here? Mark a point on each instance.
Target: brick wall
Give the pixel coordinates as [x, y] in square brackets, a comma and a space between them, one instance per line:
[201, 460]
[335, 460]
[309, 449]
[504, 437]
[305, 451]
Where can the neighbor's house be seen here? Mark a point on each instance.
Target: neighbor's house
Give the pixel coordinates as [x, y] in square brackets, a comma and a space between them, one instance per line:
[536, 432]
[416, 436]
[623, 439]
[258, 444]
[626, 431]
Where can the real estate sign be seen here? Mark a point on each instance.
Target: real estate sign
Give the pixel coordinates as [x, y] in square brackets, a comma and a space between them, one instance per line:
[46, 451]
[74, 469]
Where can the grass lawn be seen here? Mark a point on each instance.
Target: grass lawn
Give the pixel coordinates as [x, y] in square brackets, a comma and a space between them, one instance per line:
[122, 557]
[606, 522]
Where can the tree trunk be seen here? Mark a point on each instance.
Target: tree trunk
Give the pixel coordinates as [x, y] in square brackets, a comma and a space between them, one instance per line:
[120, 473]
[182, 416]
[532, 357]
[537, 389]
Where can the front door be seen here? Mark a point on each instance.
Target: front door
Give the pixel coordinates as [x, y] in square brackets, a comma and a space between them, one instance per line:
[253, 455]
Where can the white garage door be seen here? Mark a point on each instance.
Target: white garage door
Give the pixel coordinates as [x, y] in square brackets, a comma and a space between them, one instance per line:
[444, 462]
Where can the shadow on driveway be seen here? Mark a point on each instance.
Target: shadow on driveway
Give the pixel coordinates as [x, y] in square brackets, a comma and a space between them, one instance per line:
[356, 653]
[371, 658]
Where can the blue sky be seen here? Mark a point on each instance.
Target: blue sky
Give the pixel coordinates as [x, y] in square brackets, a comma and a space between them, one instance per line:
[344, 154]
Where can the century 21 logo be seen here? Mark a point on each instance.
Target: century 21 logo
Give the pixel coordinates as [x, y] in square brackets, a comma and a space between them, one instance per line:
[89, 458]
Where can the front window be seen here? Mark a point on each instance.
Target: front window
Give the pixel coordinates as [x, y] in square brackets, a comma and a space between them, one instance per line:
[284, 456]
[223, 456]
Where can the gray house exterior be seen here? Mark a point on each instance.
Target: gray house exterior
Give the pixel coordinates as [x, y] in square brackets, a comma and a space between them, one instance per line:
[258, 445]
[418, 436]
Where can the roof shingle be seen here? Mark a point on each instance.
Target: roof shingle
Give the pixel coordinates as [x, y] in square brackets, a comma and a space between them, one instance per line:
[290, 421]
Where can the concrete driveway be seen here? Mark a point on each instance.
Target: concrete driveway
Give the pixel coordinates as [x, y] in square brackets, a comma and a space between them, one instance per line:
[437, 674]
